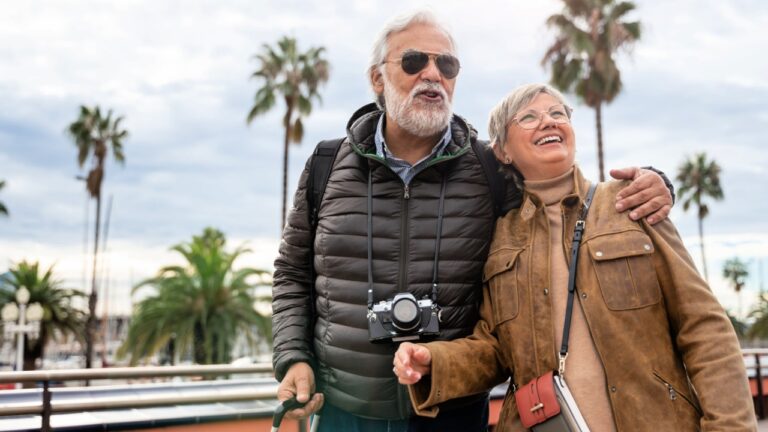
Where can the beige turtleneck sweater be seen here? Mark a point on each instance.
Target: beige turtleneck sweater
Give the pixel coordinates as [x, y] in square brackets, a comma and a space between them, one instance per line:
[584, 370]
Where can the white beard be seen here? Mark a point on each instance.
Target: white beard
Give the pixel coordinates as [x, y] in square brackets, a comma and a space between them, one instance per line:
[414, 116]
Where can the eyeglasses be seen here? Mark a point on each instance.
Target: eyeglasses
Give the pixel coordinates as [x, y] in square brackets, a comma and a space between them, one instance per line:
[530, 119]
[413, 62]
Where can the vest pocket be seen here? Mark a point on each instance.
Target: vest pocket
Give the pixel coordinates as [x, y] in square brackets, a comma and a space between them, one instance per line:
[501, 275]
[624, 270]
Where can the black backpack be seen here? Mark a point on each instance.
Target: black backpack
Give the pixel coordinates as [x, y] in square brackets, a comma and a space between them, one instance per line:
[325, 153]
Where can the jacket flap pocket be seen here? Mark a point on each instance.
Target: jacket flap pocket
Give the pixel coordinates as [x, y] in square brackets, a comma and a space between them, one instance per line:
[620, 245]
[500, 261]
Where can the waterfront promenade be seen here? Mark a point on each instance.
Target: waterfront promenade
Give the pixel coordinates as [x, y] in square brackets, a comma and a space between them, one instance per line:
[183, 398]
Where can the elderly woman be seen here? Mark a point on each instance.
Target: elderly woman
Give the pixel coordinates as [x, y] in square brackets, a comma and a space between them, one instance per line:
[650, 347]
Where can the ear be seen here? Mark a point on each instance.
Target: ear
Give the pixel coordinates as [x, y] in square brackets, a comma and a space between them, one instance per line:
[498, 151]
[377, 80]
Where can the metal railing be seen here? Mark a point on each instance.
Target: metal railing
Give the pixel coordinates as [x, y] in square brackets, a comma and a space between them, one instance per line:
[47, 407]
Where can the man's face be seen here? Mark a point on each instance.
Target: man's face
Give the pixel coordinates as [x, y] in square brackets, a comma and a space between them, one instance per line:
[420, 103]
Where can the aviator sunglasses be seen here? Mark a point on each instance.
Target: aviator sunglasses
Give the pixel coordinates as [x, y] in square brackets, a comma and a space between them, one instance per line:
[413, 62]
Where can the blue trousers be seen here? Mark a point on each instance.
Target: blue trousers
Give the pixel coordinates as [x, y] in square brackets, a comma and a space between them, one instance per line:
[468, 418]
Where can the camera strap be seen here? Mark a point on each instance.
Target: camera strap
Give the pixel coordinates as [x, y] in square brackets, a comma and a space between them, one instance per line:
[438, 236]
[370, 239]
[578, 232]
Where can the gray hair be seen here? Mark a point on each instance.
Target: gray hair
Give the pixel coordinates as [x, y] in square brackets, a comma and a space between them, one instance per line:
[503, 113]
[396, 25]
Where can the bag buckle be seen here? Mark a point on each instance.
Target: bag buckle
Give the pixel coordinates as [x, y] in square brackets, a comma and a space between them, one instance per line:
[561, 364]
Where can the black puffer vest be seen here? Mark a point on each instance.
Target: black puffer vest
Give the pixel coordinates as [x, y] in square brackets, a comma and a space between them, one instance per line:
[353, 373]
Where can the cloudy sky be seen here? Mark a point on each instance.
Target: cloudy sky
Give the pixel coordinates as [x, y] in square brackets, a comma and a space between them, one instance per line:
[179, 74]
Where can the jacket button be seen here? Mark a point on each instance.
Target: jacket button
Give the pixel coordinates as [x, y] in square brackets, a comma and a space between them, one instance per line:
[613, 389]
[647, 247]
[546, 291]
[598, 254]
[583, 295]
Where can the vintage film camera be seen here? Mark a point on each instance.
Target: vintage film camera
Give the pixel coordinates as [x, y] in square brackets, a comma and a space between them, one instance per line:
[403, 318]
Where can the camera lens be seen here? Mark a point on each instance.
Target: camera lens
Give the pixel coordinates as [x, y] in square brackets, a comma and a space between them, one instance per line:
[405, 313]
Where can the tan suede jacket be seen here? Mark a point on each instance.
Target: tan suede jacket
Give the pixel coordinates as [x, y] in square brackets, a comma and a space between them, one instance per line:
[671, 357]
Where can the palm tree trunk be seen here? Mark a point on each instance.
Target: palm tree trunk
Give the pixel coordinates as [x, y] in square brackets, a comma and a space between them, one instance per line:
[286, 143]
[90, 324]
[171, 350]
[701, 243]
[599, 124]
[198, 345]
[738, 293]
[32, 352]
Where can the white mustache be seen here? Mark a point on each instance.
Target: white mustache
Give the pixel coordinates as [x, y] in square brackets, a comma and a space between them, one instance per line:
[429, 86]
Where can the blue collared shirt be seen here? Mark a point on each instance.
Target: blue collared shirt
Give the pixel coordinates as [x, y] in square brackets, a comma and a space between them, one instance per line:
[402, 168]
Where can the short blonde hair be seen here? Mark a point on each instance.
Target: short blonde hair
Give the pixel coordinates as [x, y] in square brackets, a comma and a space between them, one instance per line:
[505, 111]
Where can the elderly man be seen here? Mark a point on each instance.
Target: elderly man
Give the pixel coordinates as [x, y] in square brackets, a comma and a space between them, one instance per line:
[407, 210]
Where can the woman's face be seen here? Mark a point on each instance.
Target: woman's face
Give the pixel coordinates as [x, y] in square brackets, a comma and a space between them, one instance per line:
[547, 150]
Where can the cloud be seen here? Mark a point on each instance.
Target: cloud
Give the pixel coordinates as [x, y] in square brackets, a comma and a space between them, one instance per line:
[179, 73]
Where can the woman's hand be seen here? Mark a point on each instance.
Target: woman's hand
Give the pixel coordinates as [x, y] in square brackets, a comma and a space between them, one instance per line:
[411, 363]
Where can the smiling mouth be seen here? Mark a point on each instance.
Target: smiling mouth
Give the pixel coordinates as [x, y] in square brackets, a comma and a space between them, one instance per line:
[548, 139]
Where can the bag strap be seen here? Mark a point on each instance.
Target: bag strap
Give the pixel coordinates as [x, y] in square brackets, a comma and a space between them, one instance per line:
[578, 231]
[496, 181]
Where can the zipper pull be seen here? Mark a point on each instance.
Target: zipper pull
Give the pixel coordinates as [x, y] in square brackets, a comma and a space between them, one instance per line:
[672, 394]
[407, 192]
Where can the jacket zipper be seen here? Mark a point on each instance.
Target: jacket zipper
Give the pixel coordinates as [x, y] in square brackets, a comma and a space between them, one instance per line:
[674, 393]
[404, 237]
[404, 232]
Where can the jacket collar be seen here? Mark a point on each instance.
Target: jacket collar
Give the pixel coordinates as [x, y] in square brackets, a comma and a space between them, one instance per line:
[531, 202]
[361, 131]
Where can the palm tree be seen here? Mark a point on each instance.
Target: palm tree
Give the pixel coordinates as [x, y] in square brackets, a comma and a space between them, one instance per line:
[589, 34]
[95, 135]
[699, 178]
[735, 271]
[759, 328]
[295, 77]
[60, 317]
[201, 306]
[3, 209]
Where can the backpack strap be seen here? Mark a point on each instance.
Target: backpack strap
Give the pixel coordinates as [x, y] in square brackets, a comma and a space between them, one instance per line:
[319, 171]
[320, 165]
[496, 181]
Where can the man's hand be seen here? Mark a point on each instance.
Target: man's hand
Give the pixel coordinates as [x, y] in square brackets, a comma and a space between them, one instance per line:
[299, 381]
[647, 195]
[411, 363]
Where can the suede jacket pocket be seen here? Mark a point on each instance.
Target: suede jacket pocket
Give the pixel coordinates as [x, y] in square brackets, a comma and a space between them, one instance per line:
[501, 275]
[624, 269]
[685, 409]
